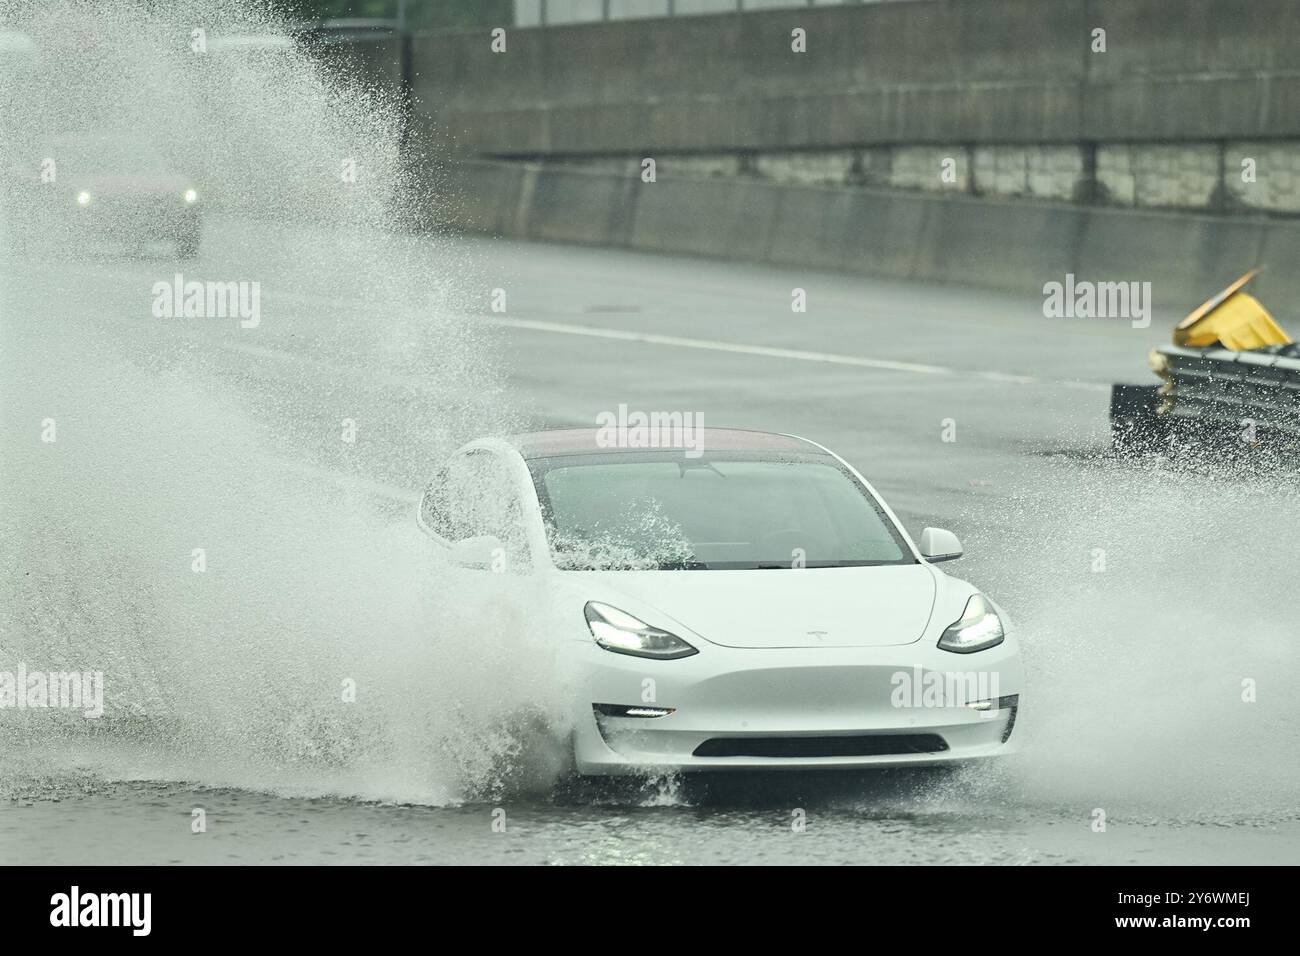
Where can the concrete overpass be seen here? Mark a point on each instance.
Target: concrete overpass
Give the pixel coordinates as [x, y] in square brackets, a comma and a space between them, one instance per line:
[1001, 142]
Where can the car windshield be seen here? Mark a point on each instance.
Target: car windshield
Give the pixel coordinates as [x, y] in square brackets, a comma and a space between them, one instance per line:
[103, 155]
[662, 511]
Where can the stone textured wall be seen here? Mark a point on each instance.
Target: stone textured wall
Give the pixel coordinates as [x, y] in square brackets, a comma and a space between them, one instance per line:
[1275, 172]
[1038, 172]
[832, 167]
[1185, 175]
[1190, 176]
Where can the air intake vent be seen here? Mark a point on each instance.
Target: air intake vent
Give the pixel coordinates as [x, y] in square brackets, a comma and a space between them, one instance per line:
[864, 745]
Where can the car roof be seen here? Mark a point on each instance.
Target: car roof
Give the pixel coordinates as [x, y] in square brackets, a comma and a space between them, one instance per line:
[583, 441]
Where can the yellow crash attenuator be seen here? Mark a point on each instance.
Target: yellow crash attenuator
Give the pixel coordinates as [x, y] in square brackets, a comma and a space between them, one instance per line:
[1232, 319]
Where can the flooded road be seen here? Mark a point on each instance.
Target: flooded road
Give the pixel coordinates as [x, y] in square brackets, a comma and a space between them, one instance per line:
[221, 686]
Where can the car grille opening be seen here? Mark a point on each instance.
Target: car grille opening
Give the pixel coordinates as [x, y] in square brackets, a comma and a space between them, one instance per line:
[861, 745]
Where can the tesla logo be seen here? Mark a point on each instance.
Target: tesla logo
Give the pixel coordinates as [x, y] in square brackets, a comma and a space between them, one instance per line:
[817, 634]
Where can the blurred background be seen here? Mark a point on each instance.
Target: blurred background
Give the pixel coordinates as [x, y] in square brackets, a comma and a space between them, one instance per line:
[987, 142]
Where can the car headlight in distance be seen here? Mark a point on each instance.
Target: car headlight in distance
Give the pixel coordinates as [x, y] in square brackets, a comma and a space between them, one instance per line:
[191, 195]
[979, 628]
[83, 198]
[622, 633]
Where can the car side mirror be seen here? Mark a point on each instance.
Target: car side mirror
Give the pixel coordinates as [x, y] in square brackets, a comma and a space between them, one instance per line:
[939, 544]
[477, 552]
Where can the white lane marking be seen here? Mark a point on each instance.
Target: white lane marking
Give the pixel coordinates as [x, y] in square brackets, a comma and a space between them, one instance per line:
[769, 351]
[800, 355]
[678, 341]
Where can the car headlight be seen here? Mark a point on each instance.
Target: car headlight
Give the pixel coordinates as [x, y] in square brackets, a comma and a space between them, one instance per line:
[191, 195]
[622, 633]
[979, 628]
[83, 199]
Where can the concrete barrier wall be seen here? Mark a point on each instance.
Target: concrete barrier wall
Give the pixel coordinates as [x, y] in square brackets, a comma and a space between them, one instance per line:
[373, 57]
[1015, 246]
[928, 71]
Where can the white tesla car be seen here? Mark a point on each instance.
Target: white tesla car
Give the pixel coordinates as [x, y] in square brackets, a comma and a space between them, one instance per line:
[751, 604]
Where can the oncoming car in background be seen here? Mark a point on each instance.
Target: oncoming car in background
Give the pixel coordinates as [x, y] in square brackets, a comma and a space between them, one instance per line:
[757, 606]
[74, 190]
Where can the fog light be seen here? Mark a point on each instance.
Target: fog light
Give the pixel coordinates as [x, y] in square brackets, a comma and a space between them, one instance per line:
[999, 703]
[83, 199]
[622, 710]
[191, 196]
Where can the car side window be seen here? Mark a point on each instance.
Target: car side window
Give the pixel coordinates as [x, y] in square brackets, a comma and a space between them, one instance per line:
[474, 496]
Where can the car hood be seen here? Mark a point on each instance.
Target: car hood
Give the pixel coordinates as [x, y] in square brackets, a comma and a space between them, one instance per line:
[813, 607]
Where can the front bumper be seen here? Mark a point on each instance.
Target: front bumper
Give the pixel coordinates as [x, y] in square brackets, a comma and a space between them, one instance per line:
[791, 709]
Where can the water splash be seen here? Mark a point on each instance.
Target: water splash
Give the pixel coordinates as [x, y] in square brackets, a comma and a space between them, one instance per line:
[253, 588]
[1151, 601]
